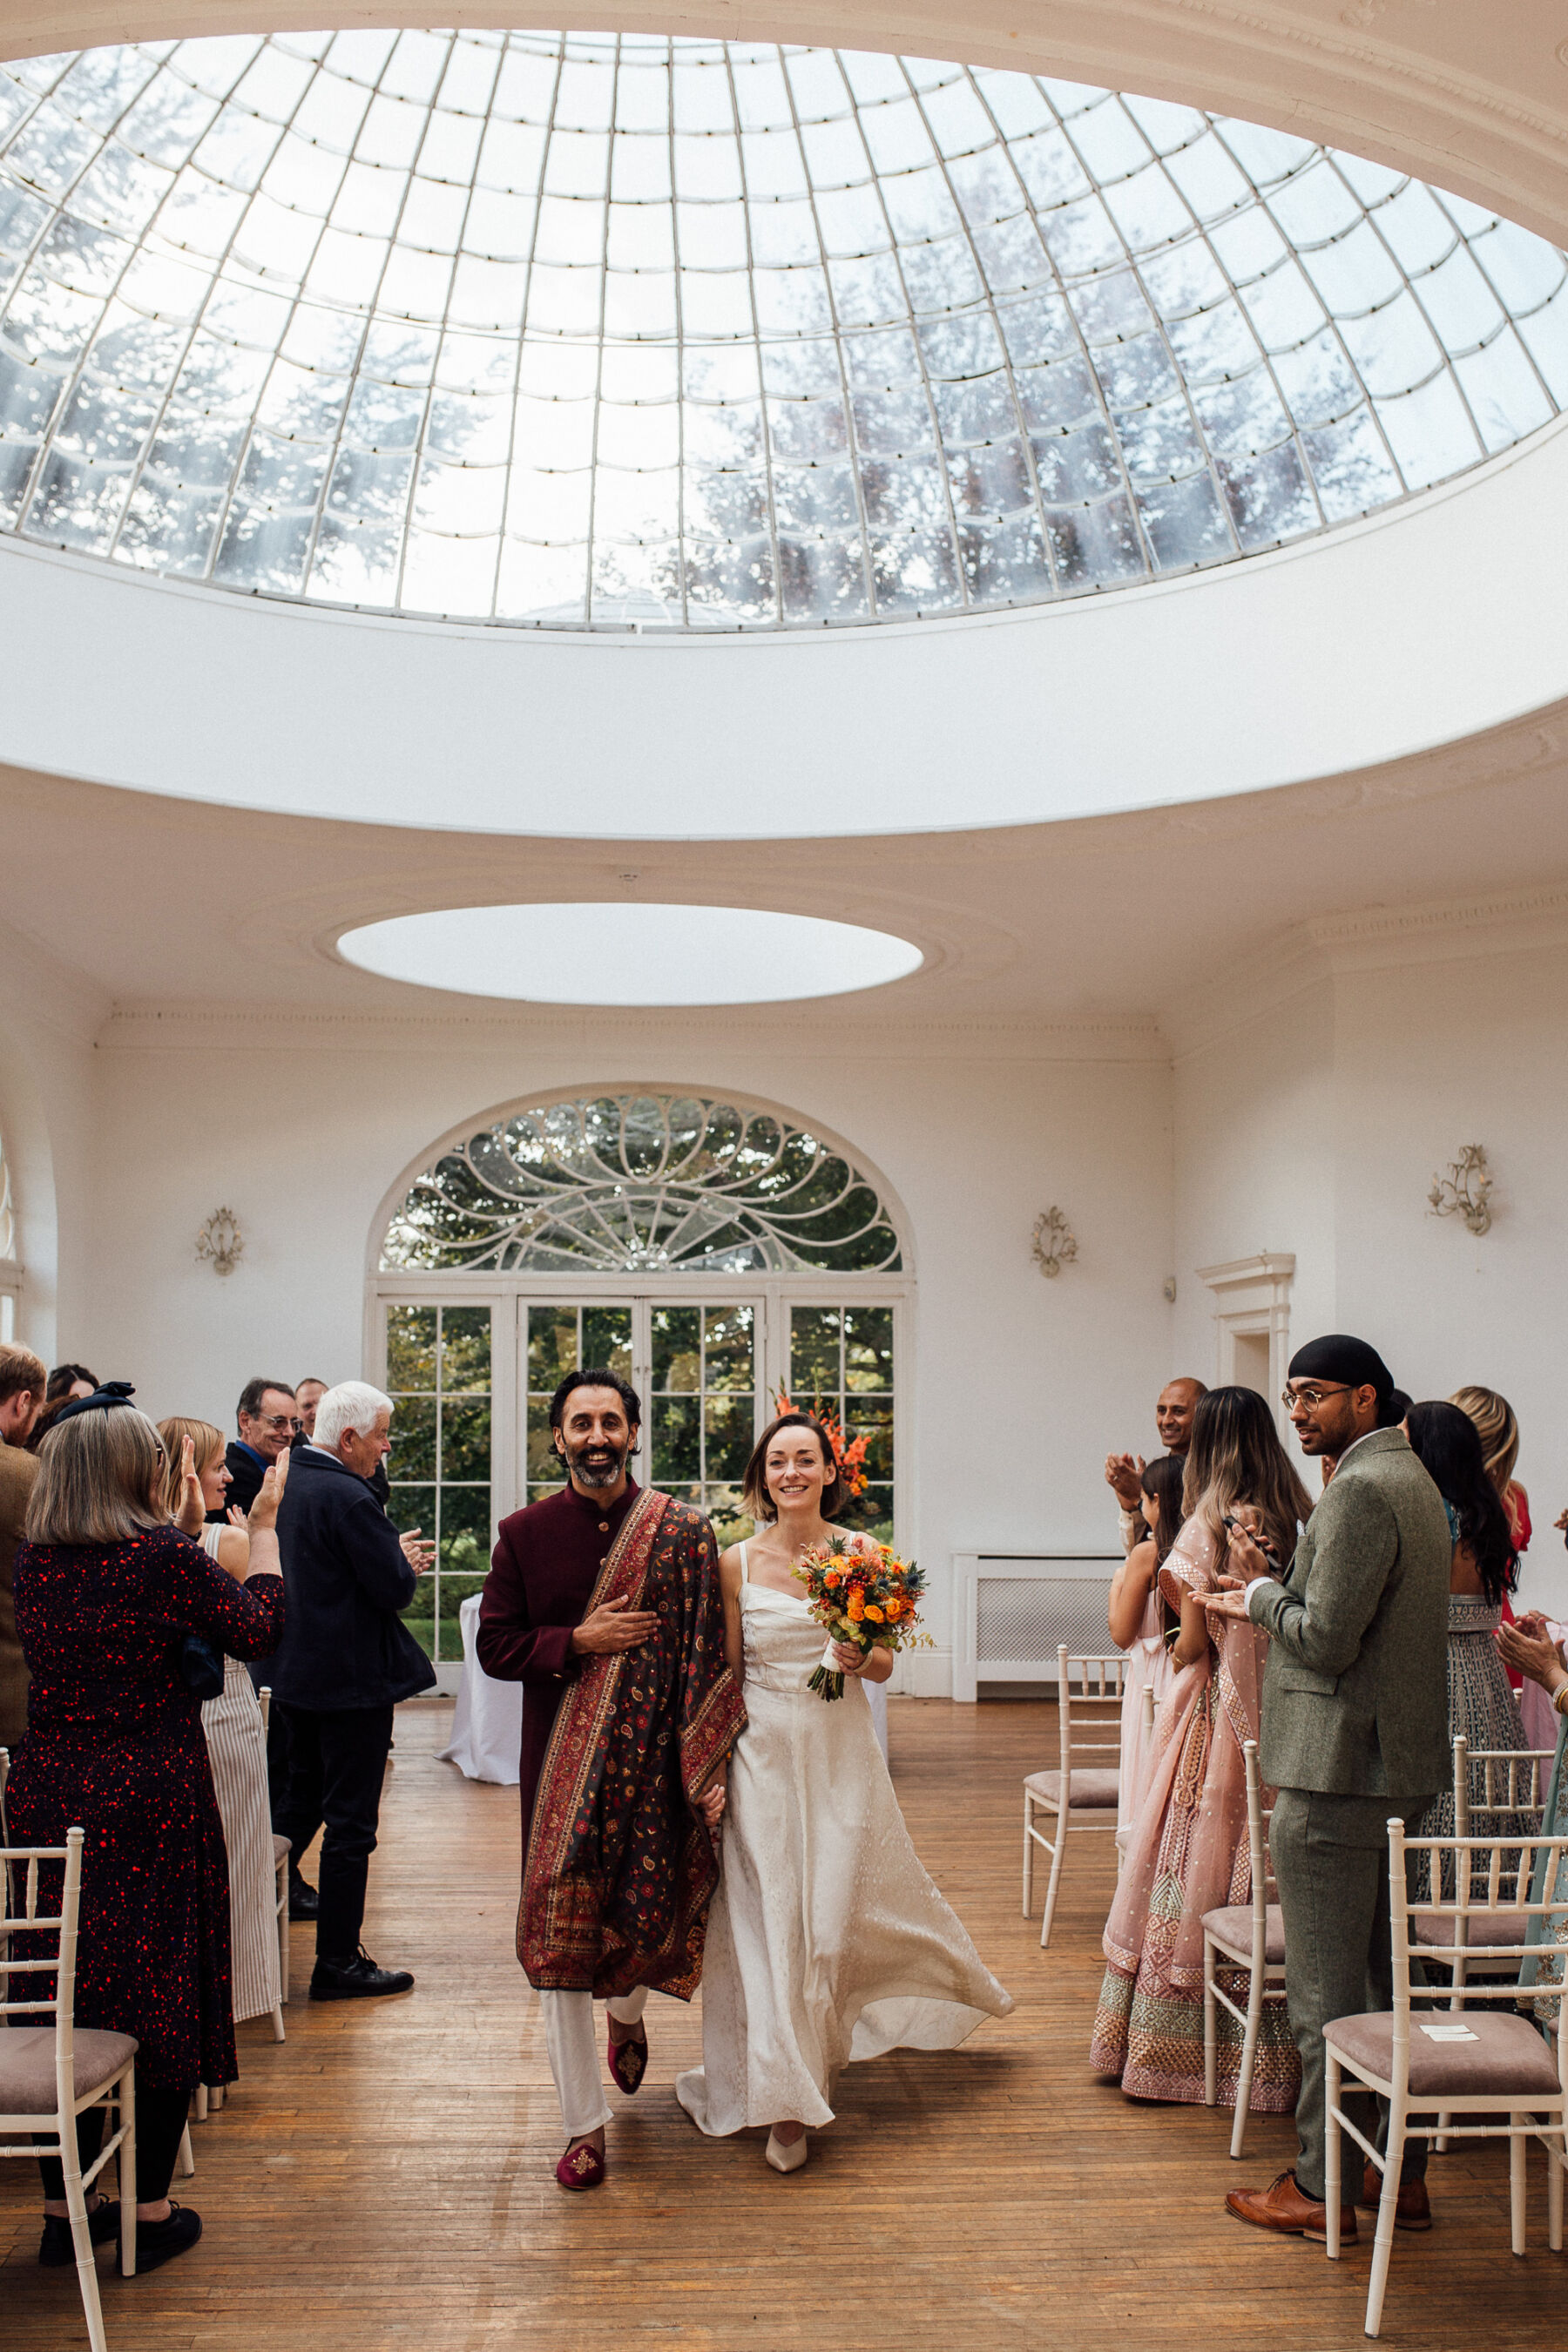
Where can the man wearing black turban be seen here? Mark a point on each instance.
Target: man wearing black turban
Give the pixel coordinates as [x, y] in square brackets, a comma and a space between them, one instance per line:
[1355, 1729]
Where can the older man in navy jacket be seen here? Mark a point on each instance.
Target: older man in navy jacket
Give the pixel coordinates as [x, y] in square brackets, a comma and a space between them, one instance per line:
[345, 1660]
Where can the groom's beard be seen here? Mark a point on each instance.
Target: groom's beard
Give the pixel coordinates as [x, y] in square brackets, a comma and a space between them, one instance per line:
[597, 1464]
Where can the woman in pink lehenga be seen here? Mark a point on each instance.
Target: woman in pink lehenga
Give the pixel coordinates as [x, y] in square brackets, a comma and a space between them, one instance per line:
[1188, 1851]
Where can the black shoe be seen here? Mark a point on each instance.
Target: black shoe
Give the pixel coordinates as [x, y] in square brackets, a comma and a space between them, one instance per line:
[158, 2242]
[357, 1980]
[303, 1900]
[57, 2248]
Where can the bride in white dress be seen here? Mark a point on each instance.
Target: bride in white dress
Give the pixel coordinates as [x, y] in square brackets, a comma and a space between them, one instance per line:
[827, 1943]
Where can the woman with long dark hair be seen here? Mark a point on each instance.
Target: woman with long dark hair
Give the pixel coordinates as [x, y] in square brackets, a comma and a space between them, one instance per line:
[1188, 1849]
[1142, 1623]
[1485, 1571]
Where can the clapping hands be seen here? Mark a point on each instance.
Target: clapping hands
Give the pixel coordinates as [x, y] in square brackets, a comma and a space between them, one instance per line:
[1527, 1646]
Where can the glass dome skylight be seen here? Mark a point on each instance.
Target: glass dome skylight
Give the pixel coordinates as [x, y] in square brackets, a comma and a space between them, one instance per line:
[594, 329]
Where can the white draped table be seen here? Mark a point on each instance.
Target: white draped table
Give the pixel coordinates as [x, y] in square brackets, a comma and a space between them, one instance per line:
[487, 1727]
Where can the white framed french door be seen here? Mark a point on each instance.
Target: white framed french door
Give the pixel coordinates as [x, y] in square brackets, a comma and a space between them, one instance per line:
[471, 1362]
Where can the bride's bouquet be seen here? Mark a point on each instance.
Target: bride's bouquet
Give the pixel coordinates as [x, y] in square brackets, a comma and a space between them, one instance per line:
[863, 1594]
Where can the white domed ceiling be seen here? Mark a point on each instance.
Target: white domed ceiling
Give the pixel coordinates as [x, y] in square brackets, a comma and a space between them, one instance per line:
[586, 330]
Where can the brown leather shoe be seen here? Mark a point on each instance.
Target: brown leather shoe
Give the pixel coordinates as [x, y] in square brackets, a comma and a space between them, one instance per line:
[1414, 2209]
[1281, 2206]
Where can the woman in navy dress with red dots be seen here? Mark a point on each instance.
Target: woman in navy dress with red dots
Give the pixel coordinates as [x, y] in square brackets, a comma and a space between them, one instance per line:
[106, 1592]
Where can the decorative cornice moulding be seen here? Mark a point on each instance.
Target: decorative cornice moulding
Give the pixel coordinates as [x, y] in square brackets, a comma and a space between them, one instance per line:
[140, 1029]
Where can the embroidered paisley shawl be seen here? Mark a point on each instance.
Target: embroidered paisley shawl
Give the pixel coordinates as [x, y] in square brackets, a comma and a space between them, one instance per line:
[620, 1870]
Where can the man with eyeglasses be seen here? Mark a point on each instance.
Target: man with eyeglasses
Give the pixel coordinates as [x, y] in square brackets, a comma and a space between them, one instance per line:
[267, 1417]
[1354, 1730]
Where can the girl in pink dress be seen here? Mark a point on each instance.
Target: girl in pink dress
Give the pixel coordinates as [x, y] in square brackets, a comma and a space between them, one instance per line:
[1188, 1853]
[1144, 1623]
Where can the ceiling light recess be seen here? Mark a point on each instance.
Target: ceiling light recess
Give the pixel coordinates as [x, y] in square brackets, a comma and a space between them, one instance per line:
[583, 953]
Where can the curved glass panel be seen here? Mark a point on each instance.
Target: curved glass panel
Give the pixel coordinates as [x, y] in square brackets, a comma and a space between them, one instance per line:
[643, 1183]
[586, 329]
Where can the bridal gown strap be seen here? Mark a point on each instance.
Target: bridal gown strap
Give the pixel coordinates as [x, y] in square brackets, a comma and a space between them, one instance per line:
[827, 1942]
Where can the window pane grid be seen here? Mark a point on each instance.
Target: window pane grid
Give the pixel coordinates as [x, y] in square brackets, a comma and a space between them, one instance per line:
[841, 1360]
[561, 1337]
[588, 332]
[703, 1405]
[438, 1375]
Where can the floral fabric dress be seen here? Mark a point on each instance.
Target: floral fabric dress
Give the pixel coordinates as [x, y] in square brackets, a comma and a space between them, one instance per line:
[1188, 1854]
[114, 1744]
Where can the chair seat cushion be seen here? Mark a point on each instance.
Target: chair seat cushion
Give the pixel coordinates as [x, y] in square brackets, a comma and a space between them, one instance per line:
[1507, 2058]
[280, 1846]
[1232, 1925]
[27, 2065]
[1484, 1930]
[1094, 1788]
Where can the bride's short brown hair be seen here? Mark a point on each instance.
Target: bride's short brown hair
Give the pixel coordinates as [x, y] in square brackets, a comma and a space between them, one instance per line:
[754, 1485]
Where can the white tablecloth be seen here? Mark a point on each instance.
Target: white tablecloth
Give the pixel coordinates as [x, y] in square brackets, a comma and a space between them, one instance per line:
[487, 1728]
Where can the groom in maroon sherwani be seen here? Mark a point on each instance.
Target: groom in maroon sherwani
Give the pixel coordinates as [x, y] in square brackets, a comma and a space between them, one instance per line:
[603, 1601]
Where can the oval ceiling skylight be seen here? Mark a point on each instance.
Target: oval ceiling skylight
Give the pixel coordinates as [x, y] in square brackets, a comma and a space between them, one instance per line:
[594, 329]
[584, 953]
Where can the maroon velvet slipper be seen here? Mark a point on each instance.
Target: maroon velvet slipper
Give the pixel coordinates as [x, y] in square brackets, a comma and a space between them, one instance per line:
[581, 2167]
[629, 2062]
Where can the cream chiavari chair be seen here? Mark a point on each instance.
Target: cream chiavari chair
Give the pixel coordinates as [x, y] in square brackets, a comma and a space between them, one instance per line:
[1081, 1793]
[52, 2070]
[1248, 1936]
[1478, 2062]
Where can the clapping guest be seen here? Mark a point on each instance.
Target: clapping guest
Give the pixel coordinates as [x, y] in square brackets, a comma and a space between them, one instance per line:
[1173, 1409]
[267, 1418]
[196, 1480]
[1142, 1623]
[346, 1660]
[1483, 1573]
[308, 1395]
[1497, 1428]
[106, 1592]
[1188, 1853]
[21, 1398]
[67, 1381]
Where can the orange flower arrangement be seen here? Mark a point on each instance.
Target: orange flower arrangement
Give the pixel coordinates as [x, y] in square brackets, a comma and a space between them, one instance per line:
[864, 1593]
[851, 1457]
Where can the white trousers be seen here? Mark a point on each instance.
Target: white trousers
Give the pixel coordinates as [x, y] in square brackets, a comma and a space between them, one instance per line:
[570, 2039]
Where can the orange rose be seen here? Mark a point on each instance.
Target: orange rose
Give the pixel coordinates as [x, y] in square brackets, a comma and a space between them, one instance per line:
[895, 1607]
[832, 1579]
[856, 1609]
[874, 1613]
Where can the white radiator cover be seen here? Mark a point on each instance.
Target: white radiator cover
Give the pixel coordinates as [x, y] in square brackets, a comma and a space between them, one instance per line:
[1012, 1609]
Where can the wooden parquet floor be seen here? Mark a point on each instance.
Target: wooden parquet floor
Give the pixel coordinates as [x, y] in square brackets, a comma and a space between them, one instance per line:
[385, 2179]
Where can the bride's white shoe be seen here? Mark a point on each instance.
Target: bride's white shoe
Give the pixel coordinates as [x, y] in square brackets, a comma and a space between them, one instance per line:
[785, 2160]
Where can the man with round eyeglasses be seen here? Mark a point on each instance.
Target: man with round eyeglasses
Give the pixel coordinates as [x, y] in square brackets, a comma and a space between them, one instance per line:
[267, 1418]
[1354, 1729]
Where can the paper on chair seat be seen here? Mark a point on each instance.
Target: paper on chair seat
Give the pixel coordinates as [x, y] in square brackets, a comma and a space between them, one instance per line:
[1449, 2034]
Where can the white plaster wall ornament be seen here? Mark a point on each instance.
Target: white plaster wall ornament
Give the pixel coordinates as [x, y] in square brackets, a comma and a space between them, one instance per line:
[1465, 1189]
[1055, 1245]
[220, 1244]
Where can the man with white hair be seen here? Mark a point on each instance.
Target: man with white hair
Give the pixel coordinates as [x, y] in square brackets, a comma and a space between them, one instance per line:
[345, 1660]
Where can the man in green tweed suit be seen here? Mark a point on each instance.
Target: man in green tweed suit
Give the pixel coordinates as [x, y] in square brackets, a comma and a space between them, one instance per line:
[1355, 1729]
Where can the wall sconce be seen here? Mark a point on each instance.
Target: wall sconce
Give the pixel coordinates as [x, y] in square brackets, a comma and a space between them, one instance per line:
[1465, 1190]
[1054, 1245]
[220, 1244]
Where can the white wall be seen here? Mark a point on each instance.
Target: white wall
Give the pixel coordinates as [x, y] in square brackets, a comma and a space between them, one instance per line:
[1021, 1385]
[48, 1018]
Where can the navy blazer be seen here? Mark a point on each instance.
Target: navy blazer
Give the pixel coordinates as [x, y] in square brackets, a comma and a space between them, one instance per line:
[344, 1581]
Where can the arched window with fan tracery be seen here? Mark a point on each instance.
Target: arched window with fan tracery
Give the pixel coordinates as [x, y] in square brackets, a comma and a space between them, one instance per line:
[713, 1251]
